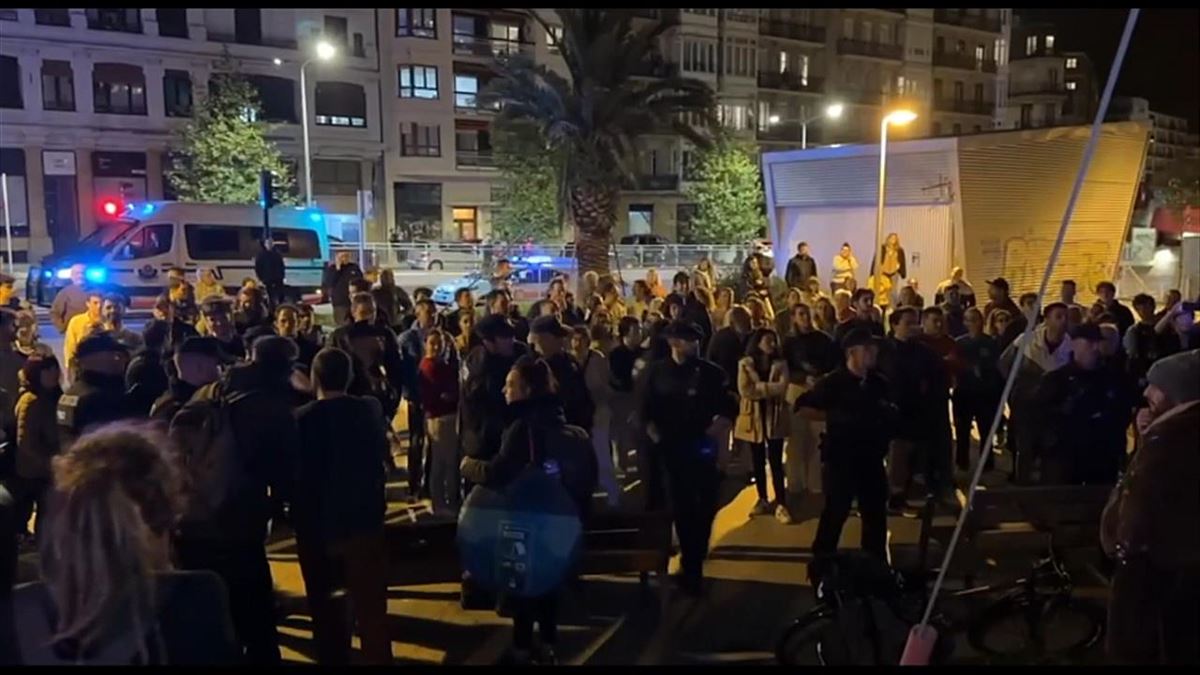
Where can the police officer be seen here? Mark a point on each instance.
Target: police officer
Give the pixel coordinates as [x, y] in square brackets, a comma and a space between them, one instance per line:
[97, 396]
[1083, 410]
[859, 418]
[685, 404]
[547, 336]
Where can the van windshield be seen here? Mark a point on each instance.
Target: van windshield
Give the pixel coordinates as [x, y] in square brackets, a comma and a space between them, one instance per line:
[106, 235]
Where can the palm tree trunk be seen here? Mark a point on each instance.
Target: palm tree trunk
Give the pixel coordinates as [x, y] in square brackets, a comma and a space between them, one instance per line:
[593, 210]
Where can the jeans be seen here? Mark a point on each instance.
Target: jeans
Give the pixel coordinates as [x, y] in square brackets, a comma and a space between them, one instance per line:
[845, 482]
[244, 569]
[770, 451]
[353, 564]
[442, 434]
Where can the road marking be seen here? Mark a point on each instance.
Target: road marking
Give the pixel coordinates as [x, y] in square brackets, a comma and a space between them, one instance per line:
[599, 642]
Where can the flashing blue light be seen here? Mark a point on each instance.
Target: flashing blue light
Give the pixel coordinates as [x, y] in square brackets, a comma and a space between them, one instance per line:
[48, 274]
[95, 275]
[315, 216]
[64, 273]
[538, 259]
[147, 209]
[262, 203]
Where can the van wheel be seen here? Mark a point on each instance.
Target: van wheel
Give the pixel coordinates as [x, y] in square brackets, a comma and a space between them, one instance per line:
[435, 266]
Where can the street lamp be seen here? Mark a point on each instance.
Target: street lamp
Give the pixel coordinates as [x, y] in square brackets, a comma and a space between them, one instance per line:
[898, 118]
[832, 112]
[324, 52]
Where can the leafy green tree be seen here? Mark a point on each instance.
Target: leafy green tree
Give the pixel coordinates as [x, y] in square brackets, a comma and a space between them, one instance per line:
[530, 186]
[596, 114]
[727, 191]
[1178, 183]
[223, 149]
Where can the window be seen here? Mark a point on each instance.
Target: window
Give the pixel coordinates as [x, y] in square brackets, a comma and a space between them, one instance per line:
[1049, 43]
[177, 92]
[937, 89]
[172, 22]
[337, 31]
[979, 93]
[783, 62]
[978, 129]
[119, 89]
[979, 53]
[1071, 84]
[336, 177]
[958, 91]
[360, 49]
[420, 140]
[122, 20]
[1072, 63]
[420, 23]
[507, 32]
[10, 83]
[12, 162]
[466, 87]
[277, 95]
[554, 36]
[247, 26]
[230, 242]
[885, 33]
[733, 116]
[419, 82]
[1051, 113]
[341, 104]
[58, 86]
[52, 17]
[1030, 44]
[148, 242]
[418, 209]
[466, 222]
[699, 57]
[803, 61]
[641, 218]
[1026, 115]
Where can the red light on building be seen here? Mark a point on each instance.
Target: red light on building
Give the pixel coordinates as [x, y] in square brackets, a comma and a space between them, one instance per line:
[109, 208]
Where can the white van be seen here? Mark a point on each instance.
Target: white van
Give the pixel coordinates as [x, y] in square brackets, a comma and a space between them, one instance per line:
[132, 256]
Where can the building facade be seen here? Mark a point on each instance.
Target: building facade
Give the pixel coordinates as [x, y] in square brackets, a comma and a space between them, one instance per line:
[1171, 139]
[1047, 86]
[90, 100]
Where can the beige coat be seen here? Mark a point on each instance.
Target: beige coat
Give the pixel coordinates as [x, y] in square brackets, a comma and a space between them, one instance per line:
[758, 396]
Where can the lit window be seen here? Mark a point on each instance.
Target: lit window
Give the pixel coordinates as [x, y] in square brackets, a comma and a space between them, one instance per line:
[1070, 86]
[1072, 63]
[1049, 42]
[418, 82]
[783, 62]
[1030, 44]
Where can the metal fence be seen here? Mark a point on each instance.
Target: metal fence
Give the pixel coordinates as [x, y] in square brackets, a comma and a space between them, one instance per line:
[458, 256]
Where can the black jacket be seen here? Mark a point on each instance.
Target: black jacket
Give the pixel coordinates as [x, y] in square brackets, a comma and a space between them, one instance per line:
[93, 399]
[859, 415]
[178, 393]
[842, 329]
[919, 387]
[800, 269]
[726, 348]
[572, 390]
[482, 411]
[336, 282]
[393, 302]
[681, 400]
[268, 267]
[1082, 416]
[340, 468]
[810, 354]
[145, 380]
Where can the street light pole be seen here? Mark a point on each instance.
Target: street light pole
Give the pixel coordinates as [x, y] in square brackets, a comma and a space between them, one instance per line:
[898, 117]
[308, 196]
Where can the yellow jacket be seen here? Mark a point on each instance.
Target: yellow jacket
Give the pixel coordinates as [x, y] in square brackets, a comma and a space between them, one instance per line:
[79, 327]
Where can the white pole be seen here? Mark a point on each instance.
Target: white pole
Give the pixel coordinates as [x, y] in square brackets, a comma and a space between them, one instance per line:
[308, 197]
[7, 219]
[883, 129]
[804, 135]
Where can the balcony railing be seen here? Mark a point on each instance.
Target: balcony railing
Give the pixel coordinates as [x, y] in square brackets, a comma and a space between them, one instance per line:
[964, 61]
[790, 81]
[488, 47]
[474, 159]
[971, 107]
[654, 183]
[793, 31]
[1044, 88]
[875, 49]
[958, 18]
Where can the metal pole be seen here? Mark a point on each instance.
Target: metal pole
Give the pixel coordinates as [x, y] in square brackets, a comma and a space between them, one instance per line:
[804, 135]
[883, 129]
[308, 198]
[7, 219]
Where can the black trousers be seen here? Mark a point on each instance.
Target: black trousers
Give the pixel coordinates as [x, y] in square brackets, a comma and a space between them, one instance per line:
[845, 482]
[243, 566]
[970, 409]
[692, 482]
[542, 610]
[770, 451]
[936, 450]
[27, 492]
[418, 446]
[336, 572]
[275, 293]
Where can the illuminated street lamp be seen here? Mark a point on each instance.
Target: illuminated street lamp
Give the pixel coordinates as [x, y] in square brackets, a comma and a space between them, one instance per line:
[898, 118]
[832, 112]
[324, 52]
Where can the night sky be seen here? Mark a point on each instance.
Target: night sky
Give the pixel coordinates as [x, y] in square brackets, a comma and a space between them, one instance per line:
[1163, 61]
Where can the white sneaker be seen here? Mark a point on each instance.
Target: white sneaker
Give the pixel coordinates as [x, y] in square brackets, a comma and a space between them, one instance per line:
[783, 515]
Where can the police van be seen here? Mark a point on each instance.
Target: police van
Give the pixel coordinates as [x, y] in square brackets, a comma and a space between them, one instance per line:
[132, 255]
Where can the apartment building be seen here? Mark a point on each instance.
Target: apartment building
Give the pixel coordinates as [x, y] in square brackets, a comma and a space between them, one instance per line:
[90, 98]
[1047, 86]
[1171, 139]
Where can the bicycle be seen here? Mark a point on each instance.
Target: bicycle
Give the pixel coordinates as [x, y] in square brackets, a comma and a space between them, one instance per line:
[862, 617]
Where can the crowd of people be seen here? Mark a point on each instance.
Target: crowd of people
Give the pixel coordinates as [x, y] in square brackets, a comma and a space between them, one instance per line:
[852, 395]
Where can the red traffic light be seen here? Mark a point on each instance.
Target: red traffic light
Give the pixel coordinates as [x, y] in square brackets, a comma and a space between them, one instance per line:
[110, 207]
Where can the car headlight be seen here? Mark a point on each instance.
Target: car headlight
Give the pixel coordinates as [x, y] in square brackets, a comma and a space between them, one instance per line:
[64, 273]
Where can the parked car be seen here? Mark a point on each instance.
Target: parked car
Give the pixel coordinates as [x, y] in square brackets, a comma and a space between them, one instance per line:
[530, 278]
[437, 256]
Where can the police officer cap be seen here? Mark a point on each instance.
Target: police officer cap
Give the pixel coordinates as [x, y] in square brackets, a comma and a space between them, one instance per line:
[682, 330]
[99, 343]
[859, 337]
[547, 325]
[1087, 331]
[202, 346]
[999, 282]
[494, 326]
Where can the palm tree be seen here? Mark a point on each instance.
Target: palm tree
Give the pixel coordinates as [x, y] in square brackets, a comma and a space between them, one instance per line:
[594, 118]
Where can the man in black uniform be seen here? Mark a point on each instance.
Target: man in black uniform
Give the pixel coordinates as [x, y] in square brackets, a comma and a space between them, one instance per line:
[268, 266]
[1083, 410]
[859, 417]
[483, 413]
[547, 336]
[197, 362]
[97, 396]
[686, 406]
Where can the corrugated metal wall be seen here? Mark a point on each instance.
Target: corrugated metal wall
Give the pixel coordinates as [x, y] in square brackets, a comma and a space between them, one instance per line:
[855, 180]
[1014, 188]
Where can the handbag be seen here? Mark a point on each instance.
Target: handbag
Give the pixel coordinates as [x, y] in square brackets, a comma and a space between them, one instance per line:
[523, 539]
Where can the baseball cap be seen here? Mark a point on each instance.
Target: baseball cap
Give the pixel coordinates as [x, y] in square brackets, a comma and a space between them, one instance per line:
[98, 343]
[1178, 376]
[547, 325]
[999, 282]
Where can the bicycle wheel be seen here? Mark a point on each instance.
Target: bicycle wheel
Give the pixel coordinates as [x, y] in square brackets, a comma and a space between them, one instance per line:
[809, 641]
[1018, 629]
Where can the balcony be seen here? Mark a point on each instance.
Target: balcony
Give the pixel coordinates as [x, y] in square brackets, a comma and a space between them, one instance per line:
[792, 31]
[654, 183]
[790, 81]
[873, 49]
[474, 159]
[958, 18]
[1037, 89]
[963, 61]
[969, 107]
[468, 45]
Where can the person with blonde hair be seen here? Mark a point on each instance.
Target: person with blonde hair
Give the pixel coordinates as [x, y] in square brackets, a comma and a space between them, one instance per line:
[108, 594]
[722, 302]
[655, 284]
[702, 279]
[207, 284]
